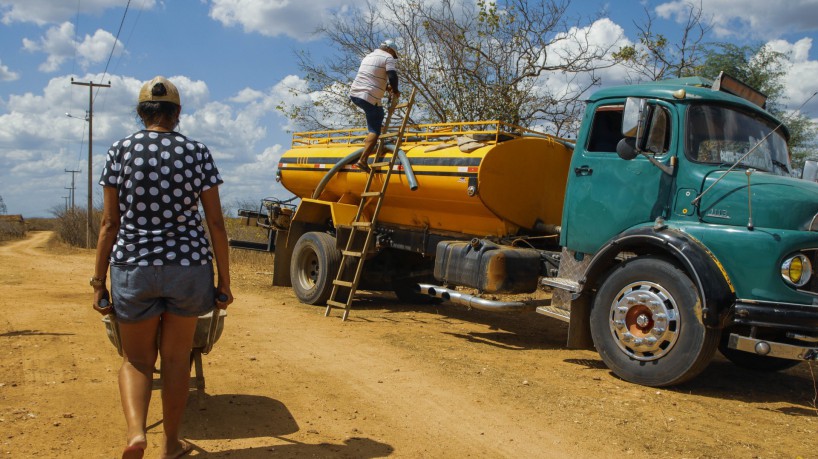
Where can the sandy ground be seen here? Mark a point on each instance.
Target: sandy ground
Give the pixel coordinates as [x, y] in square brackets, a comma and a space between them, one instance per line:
[393, 380]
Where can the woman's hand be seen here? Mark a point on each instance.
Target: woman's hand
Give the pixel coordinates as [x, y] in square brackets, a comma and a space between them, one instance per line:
[223, 297]
[102, 303]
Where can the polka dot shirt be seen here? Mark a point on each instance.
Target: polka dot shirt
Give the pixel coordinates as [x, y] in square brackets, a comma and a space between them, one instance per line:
[159, 177]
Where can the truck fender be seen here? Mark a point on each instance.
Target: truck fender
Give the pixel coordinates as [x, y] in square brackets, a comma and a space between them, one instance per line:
[311, 215]
[705, 270]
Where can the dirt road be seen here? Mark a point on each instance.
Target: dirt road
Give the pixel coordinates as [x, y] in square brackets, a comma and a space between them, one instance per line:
[393, 380]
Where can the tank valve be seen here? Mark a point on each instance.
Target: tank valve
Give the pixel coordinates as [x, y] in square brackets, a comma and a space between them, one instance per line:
[475, 243]
[471, 190]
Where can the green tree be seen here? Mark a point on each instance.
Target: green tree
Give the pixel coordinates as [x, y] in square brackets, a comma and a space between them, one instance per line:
[764, 69]
[523, 62]
[656, 57]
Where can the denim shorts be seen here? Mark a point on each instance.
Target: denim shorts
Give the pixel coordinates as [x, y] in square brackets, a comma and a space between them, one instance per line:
[143, 292]
[374, 114]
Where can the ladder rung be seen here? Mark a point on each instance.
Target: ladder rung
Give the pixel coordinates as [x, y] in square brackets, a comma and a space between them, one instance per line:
[381, 164]
[400, 106]
[388, 135]
[341, 283]
[362, 224]
[351, 253]
[336, 304]
[370, 194]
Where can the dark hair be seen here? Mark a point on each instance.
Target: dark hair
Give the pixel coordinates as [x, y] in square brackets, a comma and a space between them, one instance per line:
[153, 112]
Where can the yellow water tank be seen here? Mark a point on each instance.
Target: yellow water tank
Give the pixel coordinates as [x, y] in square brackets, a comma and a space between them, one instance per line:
[474, 182]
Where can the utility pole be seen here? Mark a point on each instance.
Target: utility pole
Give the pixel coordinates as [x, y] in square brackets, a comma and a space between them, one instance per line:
[66, 202]
[72, 188]
[91, 85]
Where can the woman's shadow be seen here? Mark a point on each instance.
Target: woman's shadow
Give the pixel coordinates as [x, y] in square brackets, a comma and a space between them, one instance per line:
[239, 416]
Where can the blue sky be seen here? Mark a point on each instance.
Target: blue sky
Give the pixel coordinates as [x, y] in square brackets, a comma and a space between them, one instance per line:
[233, 61]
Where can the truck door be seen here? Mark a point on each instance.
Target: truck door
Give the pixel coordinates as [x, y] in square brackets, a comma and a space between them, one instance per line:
[607, 194]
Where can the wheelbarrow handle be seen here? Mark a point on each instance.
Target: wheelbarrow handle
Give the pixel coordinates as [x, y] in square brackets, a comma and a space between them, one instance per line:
[214, 325]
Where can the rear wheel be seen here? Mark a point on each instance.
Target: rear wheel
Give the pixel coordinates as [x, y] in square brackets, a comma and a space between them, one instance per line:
[314, 265]
[645, 324]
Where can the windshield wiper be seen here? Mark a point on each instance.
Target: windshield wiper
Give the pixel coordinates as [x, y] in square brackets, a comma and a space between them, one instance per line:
[780, 164]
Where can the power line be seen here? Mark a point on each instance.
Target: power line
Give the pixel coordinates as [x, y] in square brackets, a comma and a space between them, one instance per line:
[116, 40]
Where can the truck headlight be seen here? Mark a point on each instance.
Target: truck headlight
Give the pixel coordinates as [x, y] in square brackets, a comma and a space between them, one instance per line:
[796, 270]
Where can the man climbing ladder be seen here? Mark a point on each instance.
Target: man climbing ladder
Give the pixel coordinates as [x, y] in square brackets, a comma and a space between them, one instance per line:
[362, 230]
[376, 74]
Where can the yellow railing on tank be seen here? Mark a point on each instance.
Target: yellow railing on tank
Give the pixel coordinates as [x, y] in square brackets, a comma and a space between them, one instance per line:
[430, 133]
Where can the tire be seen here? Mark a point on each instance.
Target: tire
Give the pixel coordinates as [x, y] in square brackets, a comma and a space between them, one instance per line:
[313, 267]
[752, 361]
[645, 324]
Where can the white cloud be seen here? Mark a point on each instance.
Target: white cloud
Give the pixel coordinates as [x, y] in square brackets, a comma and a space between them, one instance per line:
[59, 45]
[799, 82]
[50, 11]
[602, 35]
[296, 19]
[6, 74]
[38, 142]
[749, 18]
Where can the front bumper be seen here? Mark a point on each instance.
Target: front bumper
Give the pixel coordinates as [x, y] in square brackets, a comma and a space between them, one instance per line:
[797, 324]
[782, 316]
[769, 348]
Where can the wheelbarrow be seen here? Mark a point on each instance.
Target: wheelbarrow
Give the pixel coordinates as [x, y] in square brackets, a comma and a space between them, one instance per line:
[208, 330]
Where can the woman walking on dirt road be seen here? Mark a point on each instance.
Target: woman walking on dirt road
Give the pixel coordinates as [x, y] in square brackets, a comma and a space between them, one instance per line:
[160, 260]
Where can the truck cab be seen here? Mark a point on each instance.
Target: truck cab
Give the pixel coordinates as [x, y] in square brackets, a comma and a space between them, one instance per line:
[684, 232]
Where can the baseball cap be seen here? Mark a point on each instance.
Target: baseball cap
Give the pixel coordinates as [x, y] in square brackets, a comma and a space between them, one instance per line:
[389, 43]
[159, 89]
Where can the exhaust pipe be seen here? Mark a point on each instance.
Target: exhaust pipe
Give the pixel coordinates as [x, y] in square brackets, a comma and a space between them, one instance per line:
[471, 301]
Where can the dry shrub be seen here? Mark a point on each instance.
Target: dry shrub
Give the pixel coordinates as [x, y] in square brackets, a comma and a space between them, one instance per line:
[10, 230]
[71, 226]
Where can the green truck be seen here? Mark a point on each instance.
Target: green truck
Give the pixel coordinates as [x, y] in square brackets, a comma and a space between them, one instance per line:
[681, 229]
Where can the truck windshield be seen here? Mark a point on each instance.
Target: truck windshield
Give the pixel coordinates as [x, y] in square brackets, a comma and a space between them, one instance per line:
[723, 135]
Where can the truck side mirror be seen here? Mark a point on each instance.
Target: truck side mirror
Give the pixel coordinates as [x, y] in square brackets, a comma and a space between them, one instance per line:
[633, 118]
[810, 170]
[626, 148]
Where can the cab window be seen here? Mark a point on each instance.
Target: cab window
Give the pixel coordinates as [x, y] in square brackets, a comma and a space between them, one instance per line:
[606, 130]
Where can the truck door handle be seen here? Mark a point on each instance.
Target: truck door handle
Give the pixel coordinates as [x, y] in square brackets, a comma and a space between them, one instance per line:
[583, 171]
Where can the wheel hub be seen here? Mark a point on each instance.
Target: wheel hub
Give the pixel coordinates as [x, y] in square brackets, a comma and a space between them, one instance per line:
[644, 321]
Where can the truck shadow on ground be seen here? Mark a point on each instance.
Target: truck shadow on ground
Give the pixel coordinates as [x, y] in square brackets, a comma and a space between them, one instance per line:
[231, 417]
[724, 380]
[508, 330]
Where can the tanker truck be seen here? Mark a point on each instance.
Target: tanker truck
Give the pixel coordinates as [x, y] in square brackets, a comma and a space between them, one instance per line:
[670, 228]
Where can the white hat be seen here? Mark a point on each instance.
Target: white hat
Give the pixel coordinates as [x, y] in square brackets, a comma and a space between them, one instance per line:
[390, 43]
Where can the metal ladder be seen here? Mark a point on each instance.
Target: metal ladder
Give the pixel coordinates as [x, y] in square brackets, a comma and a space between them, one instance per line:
[355, 251]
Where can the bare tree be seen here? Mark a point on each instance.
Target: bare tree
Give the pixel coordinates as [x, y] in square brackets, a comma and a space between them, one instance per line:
[656, 57]
[522, 62]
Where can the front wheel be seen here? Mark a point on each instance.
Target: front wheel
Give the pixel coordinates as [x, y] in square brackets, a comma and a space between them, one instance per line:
[314, 265]
[646, 324]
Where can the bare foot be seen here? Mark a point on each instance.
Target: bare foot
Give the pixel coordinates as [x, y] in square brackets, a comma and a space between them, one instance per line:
[182, 448]
[136, 448]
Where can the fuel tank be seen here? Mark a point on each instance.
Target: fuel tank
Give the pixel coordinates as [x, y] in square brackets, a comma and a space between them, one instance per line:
[482, 182]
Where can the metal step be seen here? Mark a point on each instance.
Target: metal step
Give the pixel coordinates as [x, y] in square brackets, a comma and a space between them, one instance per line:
[555, 312]
[561, 283]
[342, 284]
